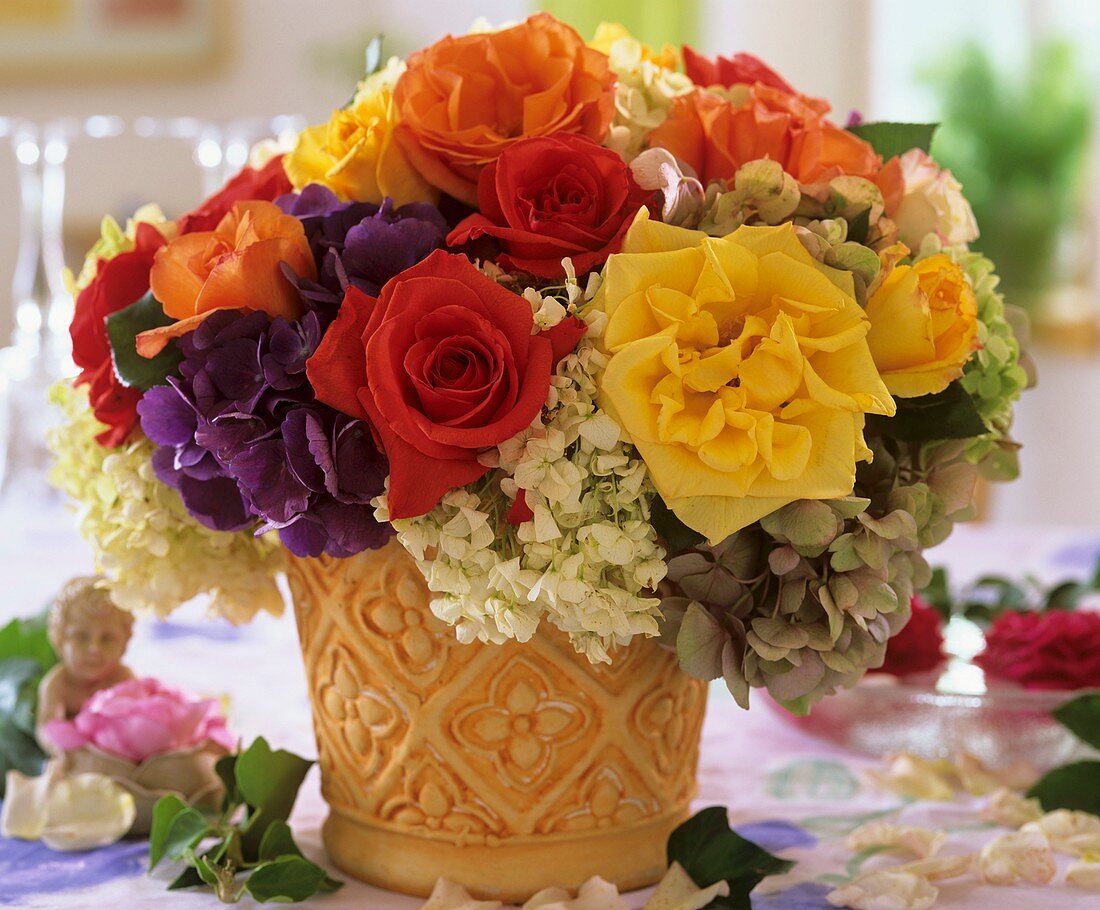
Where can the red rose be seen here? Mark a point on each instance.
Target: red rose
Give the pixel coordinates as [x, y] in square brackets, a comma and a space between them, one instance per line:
[549, 197]
[741, 69]
[263, 185]
[118, 283]
[1058, 649]
[443, 364]
[918, 647]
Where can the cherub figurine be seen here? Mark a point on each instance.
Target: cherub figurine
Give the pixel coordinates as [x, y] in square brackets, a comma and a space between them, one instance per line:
[90, 635]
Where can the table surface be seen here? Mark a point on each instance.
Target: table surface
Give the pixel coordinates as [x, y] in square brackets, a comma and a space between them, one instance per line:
[788, 792]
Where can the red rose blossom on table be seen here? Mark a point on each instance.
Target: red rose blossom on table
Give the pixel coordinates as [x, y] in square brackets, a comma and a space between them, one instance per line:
[1056, 649]
[251, 184]
[550, 197]
[918, 647]
[119, 282]
[444, 365]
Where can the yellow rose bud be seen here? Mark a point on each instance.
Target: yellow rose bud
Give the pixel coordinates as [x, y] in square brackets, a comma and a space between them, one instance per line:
[739, 368]
[924, 326]
[355, 154]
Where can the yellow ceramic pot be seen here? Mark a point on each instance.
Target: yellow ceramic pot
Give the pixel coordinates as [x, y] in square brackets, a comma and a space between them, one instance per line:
[505, 768]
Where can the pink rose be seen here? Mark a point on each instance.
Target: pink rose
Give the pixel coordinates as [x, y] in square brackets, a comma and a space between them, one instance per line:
[1057, 649]
[933, 203]
[142, 718]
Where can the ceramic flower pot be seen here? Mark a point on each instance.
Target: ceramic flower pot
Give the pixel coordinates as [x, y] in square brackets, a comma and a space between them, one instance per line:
[505, 768]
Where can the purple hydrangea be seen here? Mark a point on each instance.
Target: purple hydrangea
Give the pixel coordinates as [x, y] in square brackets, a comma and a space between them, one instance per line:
[245, 442]
[360, 243]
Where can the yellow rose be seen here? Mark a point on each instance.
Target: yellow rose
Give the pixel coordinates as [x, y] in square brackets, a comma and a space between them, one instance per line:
[739, 368]
[355, 154]
[924, 326]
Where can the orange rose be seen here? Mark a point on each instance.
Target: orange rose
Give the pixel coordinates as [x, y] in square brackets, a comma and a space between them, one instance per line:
[464, 100]
[716, 135]
[236, 266]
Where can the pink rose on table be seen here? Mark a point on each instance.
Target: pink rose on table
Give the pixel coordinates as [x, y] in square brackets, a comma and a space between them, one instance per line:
[1058, 649]
[141, 718]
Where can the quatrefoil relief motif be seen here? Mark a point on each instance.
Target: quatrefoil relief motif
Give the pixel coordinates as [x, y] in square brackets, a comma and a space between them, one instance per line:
[522, 725]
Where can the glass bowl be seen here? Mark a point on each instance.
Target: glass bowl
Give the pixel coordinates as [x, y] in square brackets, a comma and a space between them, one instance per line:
[1000, 726]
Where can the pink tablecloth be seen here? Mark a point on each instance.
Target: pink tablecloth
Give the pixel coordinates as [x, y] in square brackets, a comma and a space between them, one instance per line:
[788, 792]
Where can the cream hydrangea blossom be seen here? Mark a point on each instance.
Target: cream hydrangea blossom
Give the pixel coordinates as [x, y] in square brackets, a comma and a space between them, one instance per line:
[644, 91]
[155, 554]
[587, 559]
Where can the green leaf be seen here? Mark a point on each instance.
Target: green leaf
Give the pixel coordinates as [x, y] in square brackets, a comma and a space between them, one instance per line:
[677, 535]
[226, 769]
[123, 328]
[19, 749]
[859, 226]
[950, 414]
[1075, 786]
[176, 828]
[710, 852]
[890, 139]
[1066, 596]
[188, 878]
[288, 879]
[278, 841]
[937, 593]
[28, 638]
[268, 781]
[1081, 716]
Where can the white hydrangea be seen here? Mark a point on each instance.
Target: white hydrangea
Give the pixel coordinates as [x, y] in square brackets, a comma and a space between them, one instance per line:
[588, 559]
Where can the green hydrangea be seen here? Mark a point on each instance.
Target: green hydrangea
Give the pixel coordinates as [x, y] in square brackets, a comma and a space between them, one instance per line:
[154, 553]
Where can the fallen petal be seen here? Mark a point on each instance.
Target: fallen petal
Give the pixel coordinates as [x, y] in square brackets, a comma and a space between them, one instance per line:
[1024, 855]
[939, 868]
[86, 811]
[886, 890]
[916, 777]
[595, 894]
[921, 842]
[1009, 809]
[1075, 833]
[24, 810]
[678, 891]
[1085, 873]
[447, 895]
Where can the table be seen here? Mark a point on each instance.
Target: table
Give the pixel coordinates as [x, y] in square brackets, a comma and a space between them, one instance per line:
[786, 791]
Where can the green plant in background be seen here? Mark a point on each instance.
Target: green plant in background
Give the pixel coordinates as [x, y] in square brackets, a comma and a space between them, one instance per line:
[1017, 143]
[654, 22]
[25, 656]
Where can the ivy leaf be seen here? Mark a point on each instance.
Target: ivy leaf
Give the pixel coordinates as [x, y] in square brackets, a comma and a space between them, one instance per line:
[19, 749]
[176, 828]
[937, 593]
[1070, 787]
[677, 536]
[268, 782]
[711, 852]
[279, 841]
[28, 638]
[226, 769]
[123, 327]
[890, 139]
[1081, 716]
[288, 879]
[950, 414]
[1066, 596]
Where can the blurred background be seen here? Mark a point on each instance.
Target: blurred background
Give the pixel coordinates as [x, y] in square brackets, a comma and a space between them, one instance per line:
[108, 104]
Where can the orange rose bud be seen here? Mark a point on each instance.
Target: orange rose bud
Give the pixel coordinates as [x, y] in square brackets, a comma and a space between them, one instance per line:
[236, 266]
[463, 100]
[716, 135]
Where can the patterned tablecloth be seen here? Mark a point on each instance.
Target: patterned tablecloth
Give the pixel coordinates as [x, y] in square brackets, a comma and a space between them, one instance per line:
[788, 792]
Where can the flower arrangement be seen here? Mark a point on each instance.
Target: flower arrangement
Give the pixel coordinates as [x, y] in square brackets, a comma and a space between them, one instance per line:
[604, 341]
